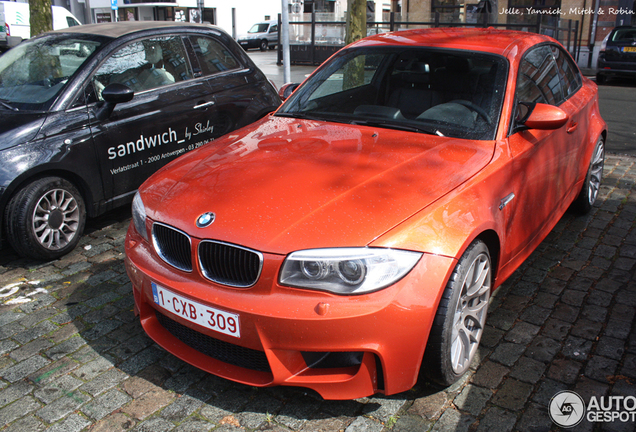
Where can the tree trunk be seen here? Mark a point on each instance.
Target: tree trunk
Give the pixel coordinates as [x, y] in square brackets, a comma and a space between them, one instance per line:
[40, 16]
[356, 20]
[356, 30]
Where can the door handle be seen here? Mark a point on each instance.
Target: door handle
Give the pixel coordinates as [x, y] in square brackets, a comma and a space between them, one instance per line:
[572, 127]
[203, 105]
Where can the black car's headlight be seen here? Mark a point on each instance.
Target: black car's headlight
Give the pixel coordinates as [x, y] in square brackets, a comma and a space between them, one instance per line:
[139, 216]
[347, 270]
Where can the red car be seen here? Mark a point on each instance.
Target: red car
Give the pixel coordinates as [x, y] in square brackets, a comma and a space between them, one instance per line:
[353, 238]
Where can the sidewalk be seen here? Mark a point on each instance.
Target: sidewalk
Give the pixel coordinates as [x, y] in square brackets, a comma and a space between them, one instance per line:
[73, 357]
[266, 62]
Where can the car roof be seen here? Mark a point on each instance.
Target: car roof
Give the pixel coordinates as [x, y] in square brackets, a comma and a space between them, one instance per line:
[477, 39]
[119, 29]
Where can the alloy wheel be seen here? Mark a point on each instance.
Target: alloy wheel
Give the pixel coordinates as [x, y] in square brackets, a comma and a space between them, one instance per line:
[470, 313]
[56, 219]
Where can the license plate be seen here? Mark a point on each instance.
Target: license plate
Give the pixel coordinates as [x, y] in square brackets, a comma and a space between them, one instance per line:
[205, 316]
[629, 49]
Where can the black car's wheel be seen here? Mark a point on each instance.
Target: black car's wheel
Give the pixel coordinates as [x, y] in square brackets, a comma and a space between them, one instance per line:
[600, 78]
[460, 318]
[264, 45]
[45, 219]
[589, 191]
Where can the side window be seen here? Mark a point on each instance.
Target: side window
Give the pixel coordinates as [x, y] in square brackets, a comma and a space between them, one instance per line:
[213, 57]
[538, 79]
[569, 73]
[144, 65]
[71, 22]
[273, 28]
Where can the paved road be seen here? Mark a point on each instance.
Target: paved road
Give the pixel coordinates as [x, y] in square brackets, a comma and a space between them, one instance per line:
[617, 102]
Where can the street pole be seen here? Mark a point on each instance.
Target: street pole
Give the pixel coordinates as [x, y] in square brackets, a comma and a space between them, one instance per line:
[285, 39]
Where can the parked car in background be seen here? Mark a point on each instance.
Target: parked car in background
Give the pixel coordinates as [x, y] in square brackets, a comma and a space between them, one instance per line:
[352, 239]
[15, 22]
[262, 35]
[88, 113]
[618, 54]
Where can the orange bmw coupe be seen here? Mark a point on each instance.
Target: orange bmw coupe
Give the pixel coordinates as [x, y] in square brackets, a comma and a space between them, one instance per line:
[352, 239]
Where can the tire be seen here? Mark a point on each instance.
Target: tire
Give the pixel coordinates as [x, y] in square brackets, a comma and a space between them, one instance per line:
[589, 191]
[45, 219]
[264, 44]
[460, 318]
[600, 79]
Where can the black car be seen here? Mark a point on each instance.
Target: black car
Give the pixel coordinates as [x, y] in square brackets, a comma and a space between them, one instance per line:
[88, 113]
[618, 54]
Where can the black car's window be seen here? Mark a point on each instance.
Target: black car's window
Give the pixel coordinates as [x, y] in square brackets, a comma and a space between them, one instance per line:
[213, 57]
[538, 79]
[144, 65]
[624, 35]
[569, 73]
[456, 93]
[35, 72]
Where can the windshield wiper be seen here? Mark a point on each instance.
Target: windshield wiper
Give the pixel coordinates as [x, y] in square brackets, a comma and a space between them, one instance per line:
[6, 105]
[299, 115]
[393, 125]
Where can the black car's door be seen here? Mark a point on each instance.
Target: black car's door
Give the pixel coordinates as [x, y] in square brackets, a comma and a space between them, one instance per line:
[231, 83]
[169, 114]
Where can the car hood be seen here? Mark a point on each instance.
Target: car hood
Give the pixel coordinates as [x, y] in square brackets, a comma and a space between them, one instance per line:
[285, 184]
[17, 127]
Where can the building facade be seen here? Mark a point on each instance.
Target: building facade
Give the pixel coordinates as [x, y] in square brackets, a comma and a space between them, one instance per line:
[595, 18]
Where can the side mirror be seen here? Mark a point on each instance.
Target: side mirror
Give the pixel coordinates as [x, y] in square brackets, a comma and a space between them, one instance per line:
[117, 93]
[543, 116]
[287, 89]
[113, 94]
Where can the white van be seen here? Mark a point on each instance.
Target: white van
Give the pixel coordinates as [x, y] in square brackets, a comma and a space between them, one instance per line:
[14, 22]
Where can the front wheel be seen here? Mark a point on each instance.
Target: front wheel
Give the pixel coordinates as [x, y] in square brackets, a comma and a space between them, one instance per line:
[45, 219]
[589, 191]
[264, 45]
[460, 318]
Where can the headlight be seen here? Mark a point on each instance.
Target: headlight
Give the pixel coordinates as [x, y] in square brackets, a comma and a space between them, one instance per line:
[139, 216]
[347, 270]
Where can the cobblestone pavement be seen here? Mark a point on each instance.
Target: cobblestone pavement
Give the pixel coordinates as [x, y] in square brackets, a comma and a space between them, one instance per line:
[73, 357]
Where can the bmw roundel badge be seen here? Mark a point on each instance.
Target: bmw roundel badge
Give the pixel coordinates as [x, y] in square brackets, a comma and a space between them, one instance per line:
[205, 219]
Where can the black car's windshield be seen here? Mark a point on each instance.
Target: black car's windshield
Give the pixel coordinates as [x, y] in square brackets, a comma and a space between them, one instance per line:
[453, 93]
[627, 34]
[33, 73]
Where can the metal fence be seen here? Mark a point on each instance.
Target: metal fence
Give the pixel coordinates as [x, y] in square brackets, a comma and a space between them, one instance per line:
[313, 41]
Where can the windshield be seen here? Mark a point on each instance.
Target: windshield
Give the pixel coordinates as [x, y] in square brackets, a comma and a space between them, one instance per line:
[453, 93]
[624, 35]
[33, 73]
[259, 28]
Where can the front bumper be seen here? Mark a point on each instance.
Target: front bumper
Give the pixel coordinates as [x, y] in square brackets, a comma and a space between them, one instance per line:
[249, 43]
[376, 340]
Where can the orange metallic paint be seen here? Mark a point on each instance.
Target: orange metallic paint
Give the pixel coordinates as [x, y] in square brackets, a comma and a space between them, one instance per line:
[283, 184]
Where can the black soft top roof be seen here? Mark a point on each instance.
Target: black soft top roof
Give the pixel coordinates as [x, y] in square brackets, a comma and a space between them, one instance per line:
[119, 29]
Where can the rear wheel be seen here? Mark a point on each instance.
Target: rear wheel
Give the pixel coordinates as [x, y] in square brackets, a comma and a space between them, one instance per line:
[589, 191]
[264, 45]
[460, 318]
[45, 219]
[600, 78]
